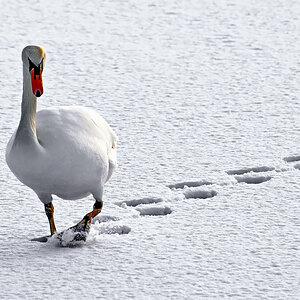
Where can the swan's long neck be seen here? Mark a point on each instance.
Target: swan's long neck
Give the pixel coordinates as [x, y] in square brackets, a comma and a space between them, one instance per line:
[26, 132]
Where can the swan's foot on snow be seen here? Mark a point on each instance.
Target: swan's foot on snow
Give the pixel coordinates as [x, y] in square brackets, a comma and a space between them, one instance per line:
[76, 233]
[82, 229]
[49, 209]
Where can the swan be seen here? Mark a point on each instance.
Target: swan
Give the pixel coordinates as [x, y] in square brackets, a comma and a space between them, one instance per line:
[67, 151]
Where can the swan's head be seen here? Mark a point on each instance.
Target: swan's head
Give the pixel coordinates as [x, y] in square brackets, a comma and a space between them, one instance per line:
[34, 60]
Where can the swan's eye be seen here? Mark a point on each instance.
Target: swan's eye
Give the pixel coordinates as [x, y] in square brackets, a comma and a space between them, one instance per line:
[31, 65]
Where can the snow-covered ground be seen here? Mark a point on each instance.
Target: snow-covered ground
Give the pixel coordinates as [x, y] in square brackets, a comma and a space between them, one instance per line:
[204, 96]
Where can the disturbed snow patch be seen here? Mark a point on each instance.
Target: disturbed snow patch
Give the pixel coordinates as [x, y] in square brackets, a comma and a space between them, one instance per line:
[250, 179]
[251, 169]
[108, 228]
[66, 239]
[199, 194]
[104, 218]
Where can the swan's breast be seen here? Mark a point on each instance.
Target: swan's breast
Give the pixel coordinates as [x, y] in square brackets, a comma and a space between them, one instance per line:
[76, 143]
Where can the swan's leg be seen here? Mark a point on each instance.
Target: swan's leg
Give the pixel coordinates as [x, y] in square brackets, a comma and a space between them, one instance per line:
[49, 209]
[83, 227]
[87, 219]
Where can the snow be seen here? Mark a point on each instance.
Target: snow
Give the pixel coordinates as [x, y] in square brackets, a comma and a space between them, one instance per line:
[197, 91]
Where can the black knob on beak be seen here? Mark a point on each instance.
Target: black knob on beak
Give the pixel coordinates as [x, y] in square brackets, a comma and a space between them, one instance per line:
[38, 93]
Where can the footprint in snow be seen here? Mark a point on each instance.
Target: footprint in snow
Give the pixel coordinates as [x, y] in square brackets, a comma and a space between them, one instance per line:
[137, 202]
[247, 175]
[182, 185]
[105, 224]
[199, 194]
[154, 211]
[191, 193]
[250, 179]
[146, 208]
[293, 158]
[248, 170]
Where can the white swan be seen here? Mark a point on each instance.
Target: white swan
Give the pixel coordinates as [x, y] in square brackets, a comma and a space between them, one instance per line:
[68, 151]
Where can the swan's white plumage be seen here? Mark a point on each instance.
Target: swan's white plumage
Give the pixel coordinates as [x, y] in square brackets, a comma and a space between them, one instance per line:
[76, 154]
[71, 154]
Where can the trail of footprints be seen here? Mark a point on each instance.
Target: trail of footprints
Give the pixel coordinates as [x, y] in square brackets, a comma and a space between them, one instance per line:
[144, 206]
[249, 175]
[191, 190]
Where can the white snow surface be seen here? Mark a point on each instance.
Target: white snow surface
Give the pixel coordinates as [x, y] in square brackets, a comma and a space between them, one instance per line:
[198, 92]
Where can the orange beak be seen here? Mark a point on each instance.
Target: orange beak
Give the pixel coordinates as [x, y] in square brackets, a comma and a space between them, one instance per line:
[37, 83]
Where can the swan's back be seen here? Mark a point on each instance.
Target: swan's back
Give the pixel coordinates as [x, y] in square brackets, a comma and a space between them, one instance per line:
[72, 124]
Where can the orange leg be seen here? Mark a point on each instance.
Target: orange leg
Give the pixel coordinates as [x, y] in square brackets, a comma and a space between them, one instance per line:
[87, 219]
[49, 209]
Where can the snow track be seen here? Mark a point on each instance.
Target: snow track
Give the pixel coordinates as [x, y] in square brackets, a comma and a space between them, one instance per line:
[248, 175]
